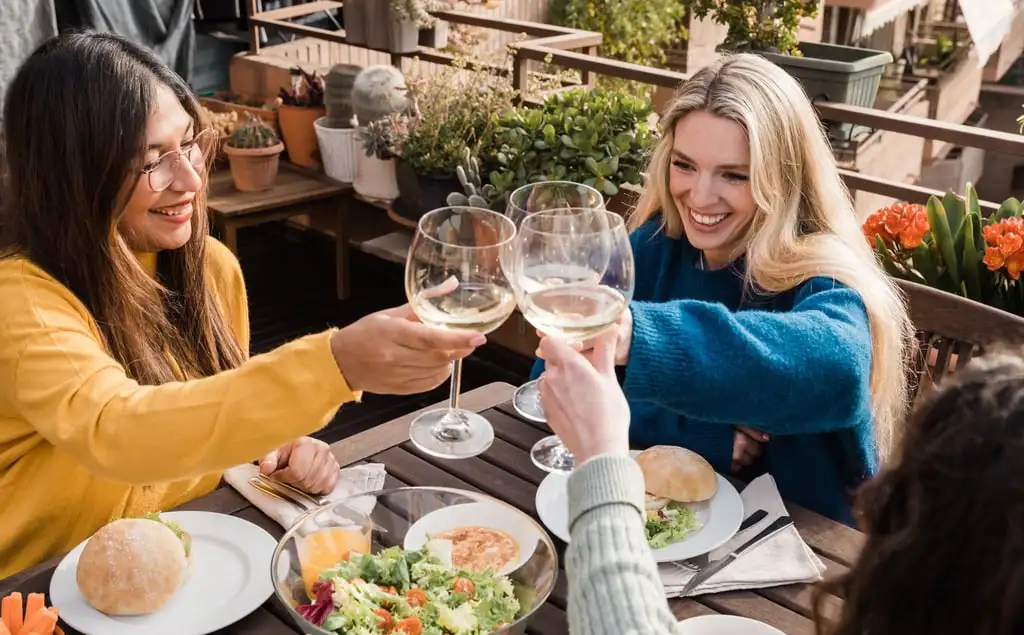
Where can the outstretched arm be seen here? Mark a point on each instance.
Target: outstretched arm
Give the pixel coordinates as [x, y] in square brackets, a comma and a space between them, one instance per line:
[798, 371]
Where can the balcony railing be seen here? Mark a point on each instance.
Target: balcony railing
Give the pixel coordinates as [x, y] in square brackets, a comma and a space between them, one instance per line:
[577, 50]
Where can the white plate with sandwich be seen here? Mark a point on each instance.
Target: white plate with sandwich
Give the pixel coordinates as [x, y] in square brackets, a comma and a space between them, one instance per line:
[179, 573]
[691, 509]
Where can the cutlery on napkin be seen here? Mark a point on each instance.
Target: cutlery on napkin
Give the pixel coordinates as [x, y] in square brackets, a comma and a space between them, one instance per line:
[354, 480]
[782, 559]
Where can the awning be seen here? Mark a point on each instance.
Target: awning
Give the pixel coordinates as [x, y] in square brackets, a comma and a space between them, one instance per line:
[882, 13]
[988, 22]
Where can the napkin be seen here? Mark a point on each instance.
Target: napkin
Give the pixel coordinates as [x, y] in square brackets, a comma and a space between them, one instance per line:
[782, 559]
[354, 480]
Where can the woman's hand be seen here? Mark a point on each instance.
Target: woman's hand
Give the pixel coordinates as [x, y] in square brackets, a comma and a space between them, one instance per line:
[305, 463]
[390, 352]
[747, 446]
[623, 340]
[582, 399]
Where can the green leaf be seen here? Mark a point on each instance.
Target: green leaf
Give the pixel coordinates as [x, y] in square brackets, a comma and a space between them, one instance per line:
[608, 188]
[592, 166]
[923, 261]
[1010, 208]
[943, 240]
[971, 261]
[955, 209]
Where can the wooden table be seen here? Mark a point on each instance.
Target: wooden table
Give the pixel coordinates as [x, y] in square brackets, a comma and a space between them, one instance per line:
[296, 191]
[506, 472]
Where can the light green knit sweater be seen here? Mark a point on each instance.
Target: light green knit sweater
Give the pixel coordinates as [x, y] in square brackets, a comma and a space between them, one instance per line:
[614, 588]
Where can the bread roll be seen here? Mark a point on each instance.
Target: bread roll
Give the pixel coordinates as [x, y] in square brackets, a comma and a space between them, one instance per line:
[677, 474]
[131, 567]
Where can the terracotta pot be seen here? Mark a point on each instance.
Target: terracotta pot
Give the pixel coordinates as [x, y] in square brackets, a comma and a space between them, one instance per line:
[299, 134]
[254, 169]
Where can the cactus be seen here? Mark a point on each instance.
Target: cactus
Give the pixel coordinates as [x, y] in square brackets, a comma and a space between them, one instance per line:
[254, 133]
[475, 193]
[338, 94]
[379, 91]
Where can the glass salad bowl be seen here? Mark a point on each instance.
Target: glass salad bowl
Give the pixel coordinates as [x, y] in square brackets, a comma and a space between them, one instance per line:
[414, 560]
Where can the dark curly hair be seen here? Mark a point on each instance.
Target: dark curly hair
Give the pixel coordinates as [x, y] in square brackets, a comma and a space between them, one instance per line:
[945, 520]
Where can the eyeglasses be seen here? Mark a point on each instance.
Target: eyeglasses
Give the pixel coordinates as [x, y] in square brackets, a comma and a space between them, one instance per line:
[164, 170]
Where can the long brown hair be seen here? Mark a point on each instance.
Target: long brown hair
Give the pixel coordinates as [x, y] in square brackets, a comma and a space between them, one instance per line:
[74, 125]
[945, 547]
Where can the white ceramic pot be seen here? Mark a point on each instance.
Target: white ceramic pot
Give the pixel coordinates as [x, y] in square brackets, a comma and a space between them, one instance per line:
[339, 150]
[375, 178]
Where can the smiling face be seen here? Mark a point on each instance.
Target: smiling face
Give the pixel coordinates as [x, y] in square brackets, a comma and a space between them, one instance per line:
[159, 220]
[709, 179]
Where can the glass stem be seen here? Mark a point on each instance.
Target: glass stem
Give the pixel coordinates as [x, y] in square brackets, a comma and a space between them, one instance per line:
[453, 426]
[456, 384]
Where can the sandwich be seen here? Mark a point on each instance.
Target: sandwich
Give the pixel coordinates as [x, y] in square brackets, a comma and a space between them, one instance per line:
[134, 566]
[674, 479]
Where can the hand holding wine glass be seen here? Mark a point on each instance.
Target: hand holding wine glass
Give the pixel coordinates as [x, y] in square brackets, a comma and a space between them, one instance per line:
[574, 278]
[455, 279]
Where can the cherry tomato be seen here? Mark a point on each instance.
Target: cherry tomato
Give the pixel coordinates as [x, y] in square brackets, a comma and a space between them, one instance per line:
[411, 625]
[383, 619]
[464, 585]
[416, 597]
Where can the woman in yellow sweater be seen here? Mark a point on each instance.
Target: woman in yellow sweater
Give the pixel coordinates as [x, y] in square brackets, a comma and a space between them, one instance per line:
[125, 386]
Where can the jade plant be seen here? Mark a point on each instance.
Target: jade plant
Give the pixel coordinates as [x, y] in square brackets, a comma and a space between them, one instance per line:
[758, 25]
[599, 137]
[948, 244]
[253, 133]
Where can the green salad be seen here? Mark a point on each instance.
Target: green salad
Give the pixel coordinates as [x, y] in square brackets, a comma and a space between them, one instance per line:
[670, 524]
[413, 592]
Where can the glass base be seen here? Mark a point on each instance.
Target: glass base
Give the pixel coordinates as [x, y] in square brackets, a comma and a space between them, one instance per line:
[470, 435]
[526, 401]
[550, 455]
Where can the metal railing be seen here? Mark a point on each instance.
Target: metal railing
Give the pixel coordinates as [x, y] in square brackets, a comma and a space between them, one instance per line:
[577, 50]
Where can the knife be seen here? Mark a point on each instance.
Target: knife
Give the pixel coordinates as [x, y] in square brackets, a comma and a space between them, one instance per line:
[712, 568]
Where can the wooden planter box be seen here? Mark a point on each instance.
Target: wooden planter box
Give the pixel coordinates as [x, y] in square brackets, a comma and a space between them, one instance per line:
[217, 105]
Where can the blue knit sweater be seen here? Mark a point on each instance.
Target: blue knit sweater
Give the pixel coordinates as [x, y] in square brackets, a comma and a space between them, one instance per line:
[707, 354]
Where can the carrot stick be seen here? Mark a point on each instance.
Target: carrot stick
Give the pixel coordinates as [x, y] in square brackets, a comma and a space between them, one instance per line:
[3, 628]
[58, 631]
[43, 622]
[17, 617]
[34, 602]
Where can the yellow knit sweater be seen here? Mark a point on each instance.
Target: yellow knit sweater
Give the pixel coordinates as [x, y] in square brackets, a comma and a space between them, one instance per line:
[81, 444]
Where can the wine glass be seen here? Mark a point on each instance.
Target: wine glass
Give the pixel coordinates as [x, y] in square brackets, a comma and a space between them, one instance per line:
[530, 199]
[455, 278]
[573, 273]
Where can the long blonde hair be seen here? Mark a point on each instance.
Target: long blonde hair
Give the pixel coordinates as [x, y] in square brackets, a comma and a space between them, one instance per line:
[805, 225]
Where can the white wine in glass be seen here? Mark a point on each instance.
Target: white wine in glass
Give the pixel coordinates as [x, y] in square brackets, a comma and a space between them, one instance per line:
[456, 278]
[574, 275]
[530, 199]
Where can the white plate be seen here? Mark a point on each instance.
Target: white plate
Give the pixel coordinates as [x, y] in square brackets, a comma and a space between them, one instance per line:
[720, 517]
[725, 625]
[229, 578]
[479, 514]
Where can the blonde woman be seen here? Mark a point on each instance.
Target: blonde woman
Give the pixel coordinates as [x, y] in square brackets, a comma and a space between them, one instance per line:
[762, 334]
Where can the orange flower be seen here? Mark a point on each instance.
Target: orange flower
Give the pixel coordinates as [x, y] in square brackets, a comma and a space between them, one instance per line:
[902, 223]
[1005, 246]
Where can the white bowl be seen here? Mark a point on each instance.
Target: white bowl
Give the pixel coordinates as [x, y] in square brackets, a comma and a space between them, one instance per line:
[726, 625]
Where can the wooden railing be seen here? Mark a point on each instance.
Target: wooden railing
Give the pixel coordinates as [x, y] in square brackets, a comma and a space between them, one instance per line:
[577, 50]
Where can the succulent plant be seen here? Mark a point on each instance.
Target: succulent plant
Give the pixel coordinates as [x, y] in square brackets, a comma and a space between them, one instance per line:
[380, 137]
[379, 91]
[475, 192]
[253, 133]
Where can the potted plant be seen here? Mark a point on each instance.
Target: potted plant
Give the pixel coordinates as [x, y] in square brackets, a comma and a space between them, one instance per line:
[408, 17]
[254, 151]
[298, 109]
[948, 245]
[337, 133]
[599, 137]
[451, 110]
[828, 72]
[378, 92]
[375, 165]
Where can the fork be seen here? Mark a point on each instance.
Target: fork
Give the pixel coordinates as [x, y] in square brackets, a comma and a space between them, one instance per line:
[697, 563]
